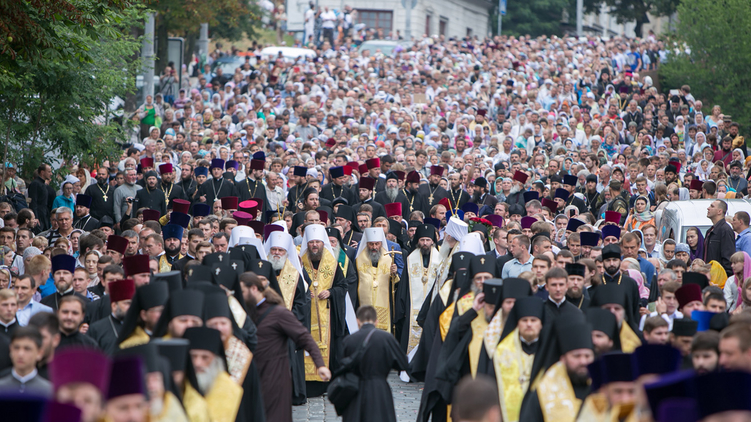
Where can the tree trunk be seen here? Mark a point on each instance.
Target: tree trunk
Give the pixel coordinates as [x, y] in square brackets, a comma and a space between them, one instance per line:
[190, 46]
[161, 47]
[131, 98]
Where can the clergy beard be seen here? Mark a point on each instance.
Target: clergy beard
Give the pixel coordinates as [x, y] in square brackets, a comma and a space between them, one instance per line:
[425, 250]
[315, 256]
[277, 262]
[374, 256]
[337, 251]
[476, 196]
[514, 189]
[206, 378]
[156, 405]
[578, 379]
[171, 252]
[476, 290]
[391, 194]
[574, 294]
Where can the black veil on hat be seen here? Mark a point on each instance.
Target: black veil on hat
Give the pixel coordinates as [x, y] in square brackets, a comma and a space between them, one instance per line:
[525, 306]
[183, 302]
[148, 296]
[550, 349]
[263, 268]
[604, 320]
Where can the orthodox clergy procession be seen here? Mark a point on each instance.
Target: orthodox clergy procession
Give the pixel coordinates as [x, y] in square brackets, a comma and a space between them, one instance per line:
[515, 229]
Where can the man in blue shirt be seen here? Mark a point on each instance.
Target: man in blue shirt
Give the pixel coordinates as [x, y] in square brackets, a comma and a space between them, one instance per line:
[522, 261]
[740, 225]
[27, 307]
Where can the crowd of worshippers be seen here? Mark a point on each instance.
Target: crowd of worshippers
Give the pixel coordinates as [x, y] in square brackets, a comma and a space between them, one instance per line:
[484, 210]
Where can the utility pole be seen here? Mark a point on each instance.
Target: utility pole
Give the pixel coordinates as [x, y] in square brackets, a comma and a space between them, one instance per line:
[147, 53]
[579, 17]
[501, 13]
[203, 43]
[408, 5]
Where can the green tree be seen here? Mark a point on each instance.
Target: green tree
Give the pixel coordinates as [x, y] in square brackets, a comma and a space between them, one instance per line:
[716, 33]
[55, 93]
[626, 11]
[535, 18]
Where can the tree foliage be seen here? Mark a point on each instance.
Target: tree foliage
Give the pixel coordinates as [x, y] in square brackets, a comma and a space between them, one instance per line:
[55, 93]
[535, 18]
[626, 11]
[714, 55]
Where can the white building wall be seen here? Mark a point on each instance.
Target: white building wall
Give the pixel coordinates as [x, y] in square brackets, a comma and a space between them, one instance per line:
[460, 14]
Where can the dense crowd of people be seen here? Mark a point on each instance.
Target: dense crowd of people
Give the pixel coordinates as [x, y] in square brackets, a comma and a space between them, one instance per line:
[487, 209]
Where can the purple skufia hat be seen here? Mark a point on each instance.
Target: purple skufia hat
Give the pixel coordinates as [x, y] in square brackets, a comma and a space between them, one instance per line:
[127, 377]
[495, 220]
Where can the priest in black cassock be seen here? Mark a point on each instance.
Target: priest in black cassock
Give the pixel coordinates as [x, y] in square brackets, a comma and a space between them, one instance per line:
[171, 190]
[411, 191]
[345, 257]
[187, 182]
[345, 216]
[336, 188]
[432, 192]
[252, 187]
[70, 314]
[144, 312]
[577, 293]
[102, 196]
[63, 267]
[84, 220]
[151, 196]
[216, 188]
[556, 282]
[299, 176]
[374, 401]
[365, 190]
[106, 332]
[392, 194]
[456, 195]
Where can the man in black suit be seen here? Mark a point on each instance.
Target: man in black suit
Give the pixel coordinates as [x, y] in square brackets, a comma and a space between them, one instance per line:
[39, 196]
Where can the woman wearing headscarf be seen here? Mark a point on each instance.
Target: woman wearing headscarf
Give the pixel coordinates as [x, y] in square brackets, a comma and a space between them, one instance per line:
[695, 240]
[740, 262]
[639, 279]
[640, 215]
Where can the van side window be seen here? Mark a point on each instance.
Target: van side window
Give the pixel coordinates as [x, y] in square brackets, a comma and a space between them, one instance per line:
[671, 235]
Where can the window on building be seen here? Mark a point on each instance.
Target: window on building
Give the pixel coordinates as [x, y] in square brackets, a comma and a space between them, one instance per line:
[443, 26]
[427, 25]
[376, 19]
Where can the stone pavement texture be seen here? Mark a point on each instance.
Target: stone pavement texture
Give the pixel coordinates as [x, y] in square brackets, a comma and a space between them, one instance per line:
[406, 402]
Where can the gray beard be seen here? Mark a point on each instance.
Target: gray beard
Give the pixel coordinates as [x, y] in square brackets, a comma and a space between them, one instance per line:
[514, 189]
[375, 257]
[206, 379]
[391, 194]
[337, 251]
[277, 262]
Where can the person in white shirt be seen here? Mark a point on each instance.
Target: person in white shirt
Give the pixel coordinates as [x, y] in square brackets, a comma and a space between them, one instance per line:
[329, 22]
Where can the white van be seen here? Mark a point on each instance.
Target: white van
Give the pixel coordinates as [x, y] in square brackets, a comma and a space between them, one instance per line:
[677, 217]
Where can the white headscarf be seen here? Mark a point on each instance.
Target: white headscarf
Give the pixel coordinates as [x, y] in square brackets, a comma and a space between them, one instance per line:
[244, 235]
[457, 228]
[279, 239]
[372, 234]
[472, 243]
[316, 232]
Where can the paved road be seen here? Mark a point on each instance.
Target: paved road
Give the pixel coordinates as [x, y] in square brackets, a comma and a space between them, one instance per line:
[406, 400]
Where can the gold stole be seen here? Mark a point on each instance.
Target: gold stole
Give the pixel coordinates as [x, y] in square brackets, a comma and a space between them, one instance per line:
[223, 400]
[195, 404]
[322, 279]
[418, 291]
[443, 271]
[171, 410]
[557, 399]
[164, 266]
[479, 324]
[238, 359]
[622, 412]
[493, 333]
[137, 338]
[629, 340]
[512, 370]
[594, 409]
[374, 287]
[444, 321]
[287, 279]
[237, 311]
